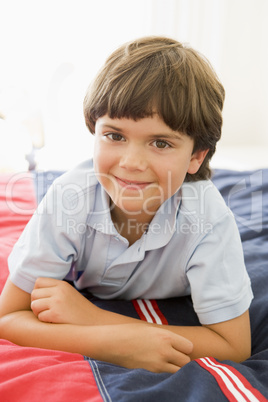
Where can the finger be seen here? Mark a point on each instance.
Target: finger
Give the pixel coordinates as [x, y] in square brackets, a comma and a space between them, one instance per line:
[171, 368]
[39, 305]
[41, 293]
[182, 344]
[46, 316]
[163, 367]
[46, 282]
[179, 359]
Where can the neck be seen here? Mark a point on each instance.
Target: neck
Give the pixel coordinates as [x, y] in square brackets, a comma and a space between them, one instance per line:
[129, 225]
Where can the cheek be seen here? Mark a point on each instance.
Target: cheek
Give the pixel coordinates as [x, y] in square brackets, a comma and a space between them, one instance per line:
[103, 161]
[172, 178]
[101, 158]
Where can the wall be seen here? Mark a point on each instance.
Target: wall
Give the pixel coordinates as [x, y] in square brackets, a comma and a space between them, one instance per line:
[233, 34]
[51, 50]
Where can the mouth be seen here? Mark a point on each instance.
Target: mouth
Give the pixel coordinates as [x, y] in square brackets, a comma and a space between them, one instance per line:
[134, 185]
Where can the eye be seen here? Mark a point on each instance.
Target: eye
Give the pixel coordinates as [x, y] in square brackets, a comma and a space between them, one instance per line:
[161, 144]
[115, 137]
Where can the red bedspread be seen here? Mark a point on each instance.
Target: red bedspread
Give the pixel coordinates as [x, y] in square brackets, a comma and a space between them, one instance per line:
[17, 204]
[29, 374]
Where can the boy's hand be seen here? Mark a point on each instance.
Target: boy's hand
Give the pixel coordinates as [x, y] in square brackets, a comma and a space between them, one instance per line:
[56, 301]
[146, 346]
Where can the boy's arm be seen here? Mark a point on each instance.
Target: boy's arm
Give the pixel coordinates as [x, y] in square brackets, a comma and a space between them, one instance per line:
[228, 340]
[57, 301]
[132, 346]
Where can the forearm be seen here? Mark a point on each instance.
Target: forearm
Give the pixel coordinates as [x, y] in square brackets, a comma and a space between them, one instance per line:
[131, 346]
[23, 328]
[232, 343]
[205, 341]
[209, 343]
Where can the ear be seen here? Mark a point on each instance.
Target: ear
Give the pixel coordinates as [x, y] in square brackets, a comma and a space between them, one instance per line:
[197, 160]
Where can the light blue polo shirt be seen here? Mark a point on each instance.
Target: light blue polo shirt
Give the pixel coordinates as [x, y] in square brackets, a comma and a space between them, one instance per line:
[192, 246]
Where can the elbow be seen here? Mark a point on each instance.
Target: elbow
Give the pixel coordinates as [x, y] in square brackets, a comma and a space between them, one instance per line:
[7, 326]
[3, 327]
[242, 354]
[242, 349]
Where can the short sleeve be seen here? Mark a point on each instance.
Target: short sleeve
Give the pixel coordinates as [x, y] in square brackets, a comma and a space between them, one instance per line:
[48, 245]
[220, 285]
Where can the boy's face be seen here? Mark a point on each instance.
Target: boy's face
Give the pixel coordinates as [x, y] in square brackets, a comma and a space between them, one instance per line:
[142, 163]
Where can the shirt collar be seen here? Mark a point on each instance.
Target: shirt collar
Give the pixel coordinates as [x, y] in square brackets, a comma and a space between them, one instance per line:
[163, 225]
[100, 217]
[161, 228]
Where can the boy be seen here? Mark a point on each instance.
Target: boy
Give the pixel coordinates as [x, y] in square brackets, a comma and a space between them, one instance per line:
[142, 220]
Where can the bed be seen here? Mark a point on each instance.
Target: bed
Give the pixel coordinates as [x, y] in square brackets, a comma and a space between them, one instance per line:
[29, 373]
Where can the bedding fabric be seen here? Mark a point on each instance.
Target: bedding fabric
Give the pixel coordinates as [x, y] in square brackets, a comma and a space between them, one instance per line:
[29, 373]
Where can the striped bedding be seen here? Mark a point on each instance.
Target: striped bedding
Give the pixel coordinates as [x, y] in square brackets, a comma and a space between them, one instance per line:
[30, 373]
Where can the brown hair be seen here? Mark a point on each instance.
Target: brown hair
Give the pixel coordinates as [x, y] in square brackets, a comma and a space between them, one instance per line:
[158, 74]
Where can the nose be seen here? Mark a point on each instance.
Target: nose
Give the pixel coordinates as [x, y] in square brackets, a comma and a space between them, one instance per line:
[133, 159]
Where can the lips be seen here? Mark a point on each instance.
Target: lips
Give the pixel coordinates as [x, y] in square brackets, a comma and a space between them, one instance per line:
[132, 184]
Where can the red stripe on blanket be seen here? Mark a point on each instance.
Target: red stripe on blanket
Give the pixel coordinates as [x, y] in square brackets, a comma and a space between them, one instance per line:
[232, 383]
[150, 316]
[149, 311]
[31, 374]
[138, 310]
[17, 204]
[159, 313]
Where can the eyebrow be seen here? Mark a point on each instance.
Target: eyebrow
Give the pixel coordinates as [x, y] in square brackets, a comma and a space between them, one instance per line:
[171, 136]
[111, 127]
